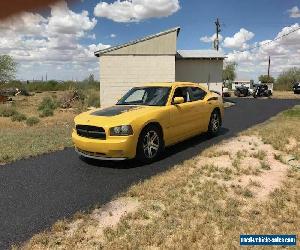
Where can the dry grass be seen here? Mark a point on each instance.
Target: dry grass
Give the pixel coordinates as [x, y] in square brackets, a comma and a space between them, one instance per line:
[204, 203]
[282, 131]
[285, 95]
[19, 140]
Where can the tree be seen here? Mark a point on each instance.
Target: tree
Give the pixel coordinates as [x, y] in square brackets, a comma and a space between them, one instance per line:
[229, 71]
[8, 68]
[91, 78]
[266, 79]
[287, 78]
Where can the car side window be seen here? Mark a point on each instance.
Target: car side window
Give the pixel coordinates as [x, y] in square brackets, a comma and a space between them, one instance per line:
[197, 94]
[182, 92]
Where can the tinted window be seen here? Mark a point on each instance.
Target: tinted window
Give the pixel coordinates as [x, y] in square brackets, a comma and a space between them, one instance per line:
[182, 92]
[197, 94]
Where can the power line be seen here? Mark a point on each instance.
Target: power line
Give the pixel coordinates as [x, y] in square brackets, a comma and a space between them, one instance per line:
[266, 43]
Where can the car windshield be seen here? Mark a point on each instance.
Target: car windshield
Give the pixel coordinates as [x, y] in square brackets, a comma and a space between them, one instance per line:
[148, 96]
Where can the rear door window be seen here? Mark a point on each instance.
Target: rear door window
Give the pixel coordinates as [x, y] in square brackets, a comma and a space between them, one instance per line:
[197, 94]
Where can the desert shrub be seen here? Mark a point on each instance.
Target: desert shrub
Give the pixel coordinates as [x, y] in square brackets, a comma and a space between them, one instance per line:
[46, 112]
[18, 117]
[7, 111]
[32, 121]
[287, 78]
[47, 103]
[93, 99]
[52, 85]
[47, 107]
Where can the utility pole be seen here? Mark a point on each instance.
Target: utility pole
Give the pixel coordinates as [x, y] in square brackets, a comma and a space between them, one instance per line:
[269, 69]
[218, 30]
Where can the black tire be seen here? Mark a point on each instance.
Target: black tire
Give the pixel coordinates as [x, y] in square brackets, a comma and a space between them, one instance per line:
[150, 144]
[214, 123]
[237, 93]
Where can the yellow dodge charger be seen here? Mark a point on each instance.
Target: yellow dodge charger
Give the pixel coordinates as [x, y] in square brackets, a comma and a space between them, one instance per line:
[146, 120]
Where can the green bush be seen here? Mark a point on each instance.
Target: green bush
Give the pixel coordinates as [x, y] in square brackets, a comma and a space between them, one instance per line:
[47, 107]
[47, 103]
[287, 78]
[7, 111]
[18, 117]
[32, 121]
[46, 112]
[52, 85]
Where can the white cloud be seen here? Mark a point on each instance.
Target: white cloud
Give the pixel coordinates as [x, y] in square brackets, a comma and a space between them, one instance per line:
[239, 40]
[44, 44]
[92, 36]
[112, 35]
[65, 21]
[136, 10]
[294, 12]
[210, 39]
[284, 53]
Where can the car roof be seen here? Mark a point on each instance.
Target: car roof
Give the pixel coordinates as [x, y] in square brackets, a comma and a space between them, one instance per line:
[172, 84]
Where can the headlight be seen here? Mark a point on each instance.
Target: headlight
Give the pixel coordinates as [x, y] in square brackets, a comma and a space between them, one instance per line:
[121, 130]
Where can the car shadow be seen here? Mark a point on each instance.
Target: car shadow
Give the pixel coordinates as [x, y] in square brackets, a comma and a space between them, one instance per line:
[194, 145]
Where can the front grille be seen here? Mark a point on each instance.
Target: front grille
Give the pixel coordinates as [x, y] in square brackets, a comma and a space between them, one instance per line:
[91, 132]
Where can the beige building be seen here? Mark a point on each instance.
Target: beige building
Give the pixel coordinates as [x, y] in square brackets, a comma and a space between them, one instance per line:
[155, 59]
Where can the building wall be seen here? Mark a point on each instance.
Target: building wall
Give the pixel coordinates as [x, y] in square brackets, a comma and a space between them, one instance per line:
[200, 71]
[120, 73]
[160, 45]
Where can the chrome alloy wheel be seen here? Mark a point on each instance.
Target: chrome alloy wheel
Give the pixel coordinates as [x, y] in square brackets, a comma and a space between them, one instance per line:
[215, 122]
[151, 144]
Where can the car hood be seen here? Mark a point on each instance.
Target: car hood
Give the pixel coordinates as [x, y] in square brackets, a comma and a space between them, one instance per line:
[118, 114]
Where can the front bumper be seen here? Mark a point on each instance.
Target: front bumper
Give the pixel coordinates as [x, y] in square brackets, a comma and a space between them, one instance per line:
[113, 148]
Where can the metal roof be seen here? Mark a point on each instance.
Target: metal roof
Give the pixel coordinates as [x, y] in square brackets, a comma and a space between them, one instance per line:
[182, 54]
[99, 52]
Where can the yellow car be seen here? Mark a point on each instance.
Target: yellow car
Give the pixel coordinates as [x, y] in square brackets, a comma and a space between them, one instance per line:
[146, 120]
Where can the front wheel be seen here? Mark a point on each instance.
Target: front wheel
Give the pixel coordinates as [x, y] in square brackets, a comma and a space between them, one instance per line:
[150, 144]
[214, 123]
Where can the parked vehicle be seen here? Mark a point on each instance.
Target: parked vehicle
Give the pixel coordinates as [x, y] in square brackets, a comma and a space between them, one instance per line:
[296, 88]
[261, 90]
[242, 91]
[226, 92]
[146, 120]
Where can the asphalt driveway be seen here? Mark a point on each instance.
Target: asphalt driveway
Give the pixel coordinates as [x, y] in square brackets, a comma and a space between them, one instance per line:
[36, 192]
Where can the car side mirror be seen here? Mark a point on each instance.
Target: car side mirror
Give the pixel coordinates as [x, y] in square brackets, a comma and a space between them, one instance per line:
[178, 100]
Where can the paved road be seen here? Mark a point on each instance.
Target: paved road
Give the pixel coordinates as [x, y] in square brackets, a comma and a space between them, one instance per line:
[36, 192]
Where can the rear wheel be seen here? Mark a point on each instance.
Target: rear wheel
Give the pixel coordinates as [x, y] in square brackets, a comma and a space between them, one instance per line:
[237, 93]
[214, 123]
[150, 144]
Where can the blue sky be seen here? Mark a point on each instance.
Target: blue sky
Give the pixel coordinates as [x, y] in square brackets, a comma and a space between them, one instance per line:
[196, 19]
[60, 40]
